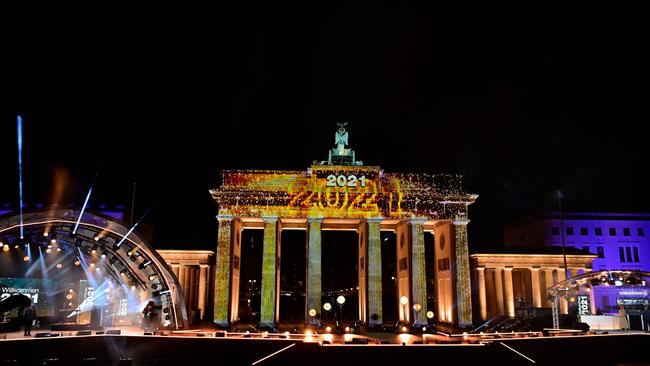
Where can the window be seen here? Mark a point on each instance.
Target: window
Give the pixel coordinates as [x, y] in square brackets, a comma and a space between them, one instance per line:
[626, 231]
[599, 231]
[640, 231]
[636, 253]
[612, 231]
[621, 254]
[585, 248]
[555, 230]
[569, 230]
[583, 231]
[628, 251]
[601, 251]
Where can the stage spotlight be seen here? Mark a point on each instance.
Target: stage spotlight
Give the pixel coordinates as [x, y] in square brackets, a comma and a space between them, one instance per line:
[59, 265]
[77, 263]
[151, 277]
[603, 279]
[93, 249]
[26, 258]
[16, 246]
[48, 250]
[5, 248]
[46, 234]
[58, 249]
[143, 265]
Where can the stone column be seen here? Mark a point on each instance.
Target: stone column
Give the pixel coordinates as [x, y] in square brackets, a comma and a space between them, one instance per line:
[403, 278]
[498, 289]
[313, 298]
[195, 289]
[268, 271]
[462, 274]
[482, 298]
[187, 289]
[548, 272]
[362, 271]
[510, 298]
[374, 272]
[222, 278]
[203, 287]
[535, 285]
[564, 305]
[418, 270]
[175, 270]
[235, 269]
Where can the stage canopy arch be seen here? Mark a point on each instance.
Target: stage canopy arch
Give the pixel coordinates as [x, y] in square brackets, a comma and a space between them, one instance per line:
[71, 267]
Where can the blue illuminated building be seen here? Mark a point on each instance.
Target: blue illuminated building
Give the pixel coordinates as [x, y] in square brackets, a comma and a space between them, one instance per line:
[620, 241]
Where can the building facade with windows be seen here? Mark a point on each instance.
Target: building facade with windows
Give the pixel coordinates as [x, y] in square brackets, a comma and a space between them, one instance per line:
[619, 241]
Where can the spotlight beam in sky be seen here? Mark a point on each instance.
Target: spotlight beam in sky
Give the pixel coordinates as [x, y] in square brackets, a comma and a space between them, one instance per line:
[132, 228]
[83, 208]
[20, 171]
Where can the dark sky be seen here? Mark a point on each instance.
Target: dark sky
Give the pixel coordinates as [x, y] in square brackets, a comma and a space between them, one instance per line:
[523, 101]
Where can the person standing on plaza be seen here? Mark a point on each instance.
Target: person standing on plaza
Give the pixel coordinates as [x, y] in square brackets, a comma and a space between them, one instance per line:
[623, 318]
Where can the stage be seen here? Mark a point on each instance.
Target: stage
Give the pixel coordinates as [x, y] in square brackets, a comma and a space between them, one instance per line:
[195, 347]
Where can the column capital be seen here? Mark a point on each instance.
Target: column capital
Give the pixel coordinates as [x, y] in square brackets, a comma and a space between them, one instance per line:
[204, 265]
[315, 219]
[418, 220]
[534, 268]
[508, 268]
[375, 219]
[225, 217]
[269, 218]
[480, 268]
[460, 221]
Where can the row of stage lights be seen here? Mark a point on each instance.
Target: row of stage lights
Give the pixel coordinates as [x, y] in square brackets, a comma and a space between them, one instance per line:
[618, 279]
[52, 245]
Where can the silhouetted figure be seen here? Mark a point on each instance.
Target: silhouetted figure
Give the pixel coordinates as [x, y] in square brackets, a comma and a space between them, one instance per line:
[150, 312]
[646, 318]
[28, 317]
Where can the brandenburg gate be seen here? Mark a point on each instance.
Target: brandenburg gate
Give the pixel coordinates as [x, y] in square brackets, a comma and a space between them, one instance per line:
[343, 194]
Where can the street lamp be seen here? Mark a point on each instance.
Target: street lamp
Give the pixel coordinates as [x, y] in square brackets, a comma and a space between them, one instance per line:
[404, 301]
[312, 314]
[417, 308]
[341, 300]
[327, 307]
[429, 314]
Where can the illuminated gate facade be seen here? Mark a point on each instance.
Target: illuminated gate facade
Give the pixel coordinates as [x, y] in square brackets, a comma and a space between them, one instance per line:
[343, 194]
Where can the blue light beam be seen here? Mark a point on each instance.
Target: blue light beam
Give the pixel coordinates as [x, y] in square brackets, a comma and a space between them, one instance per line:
[20, 171]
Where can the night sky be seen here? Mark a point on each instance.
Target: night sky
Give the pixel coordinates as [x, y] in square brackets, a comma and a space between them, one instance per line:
[523, 102]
